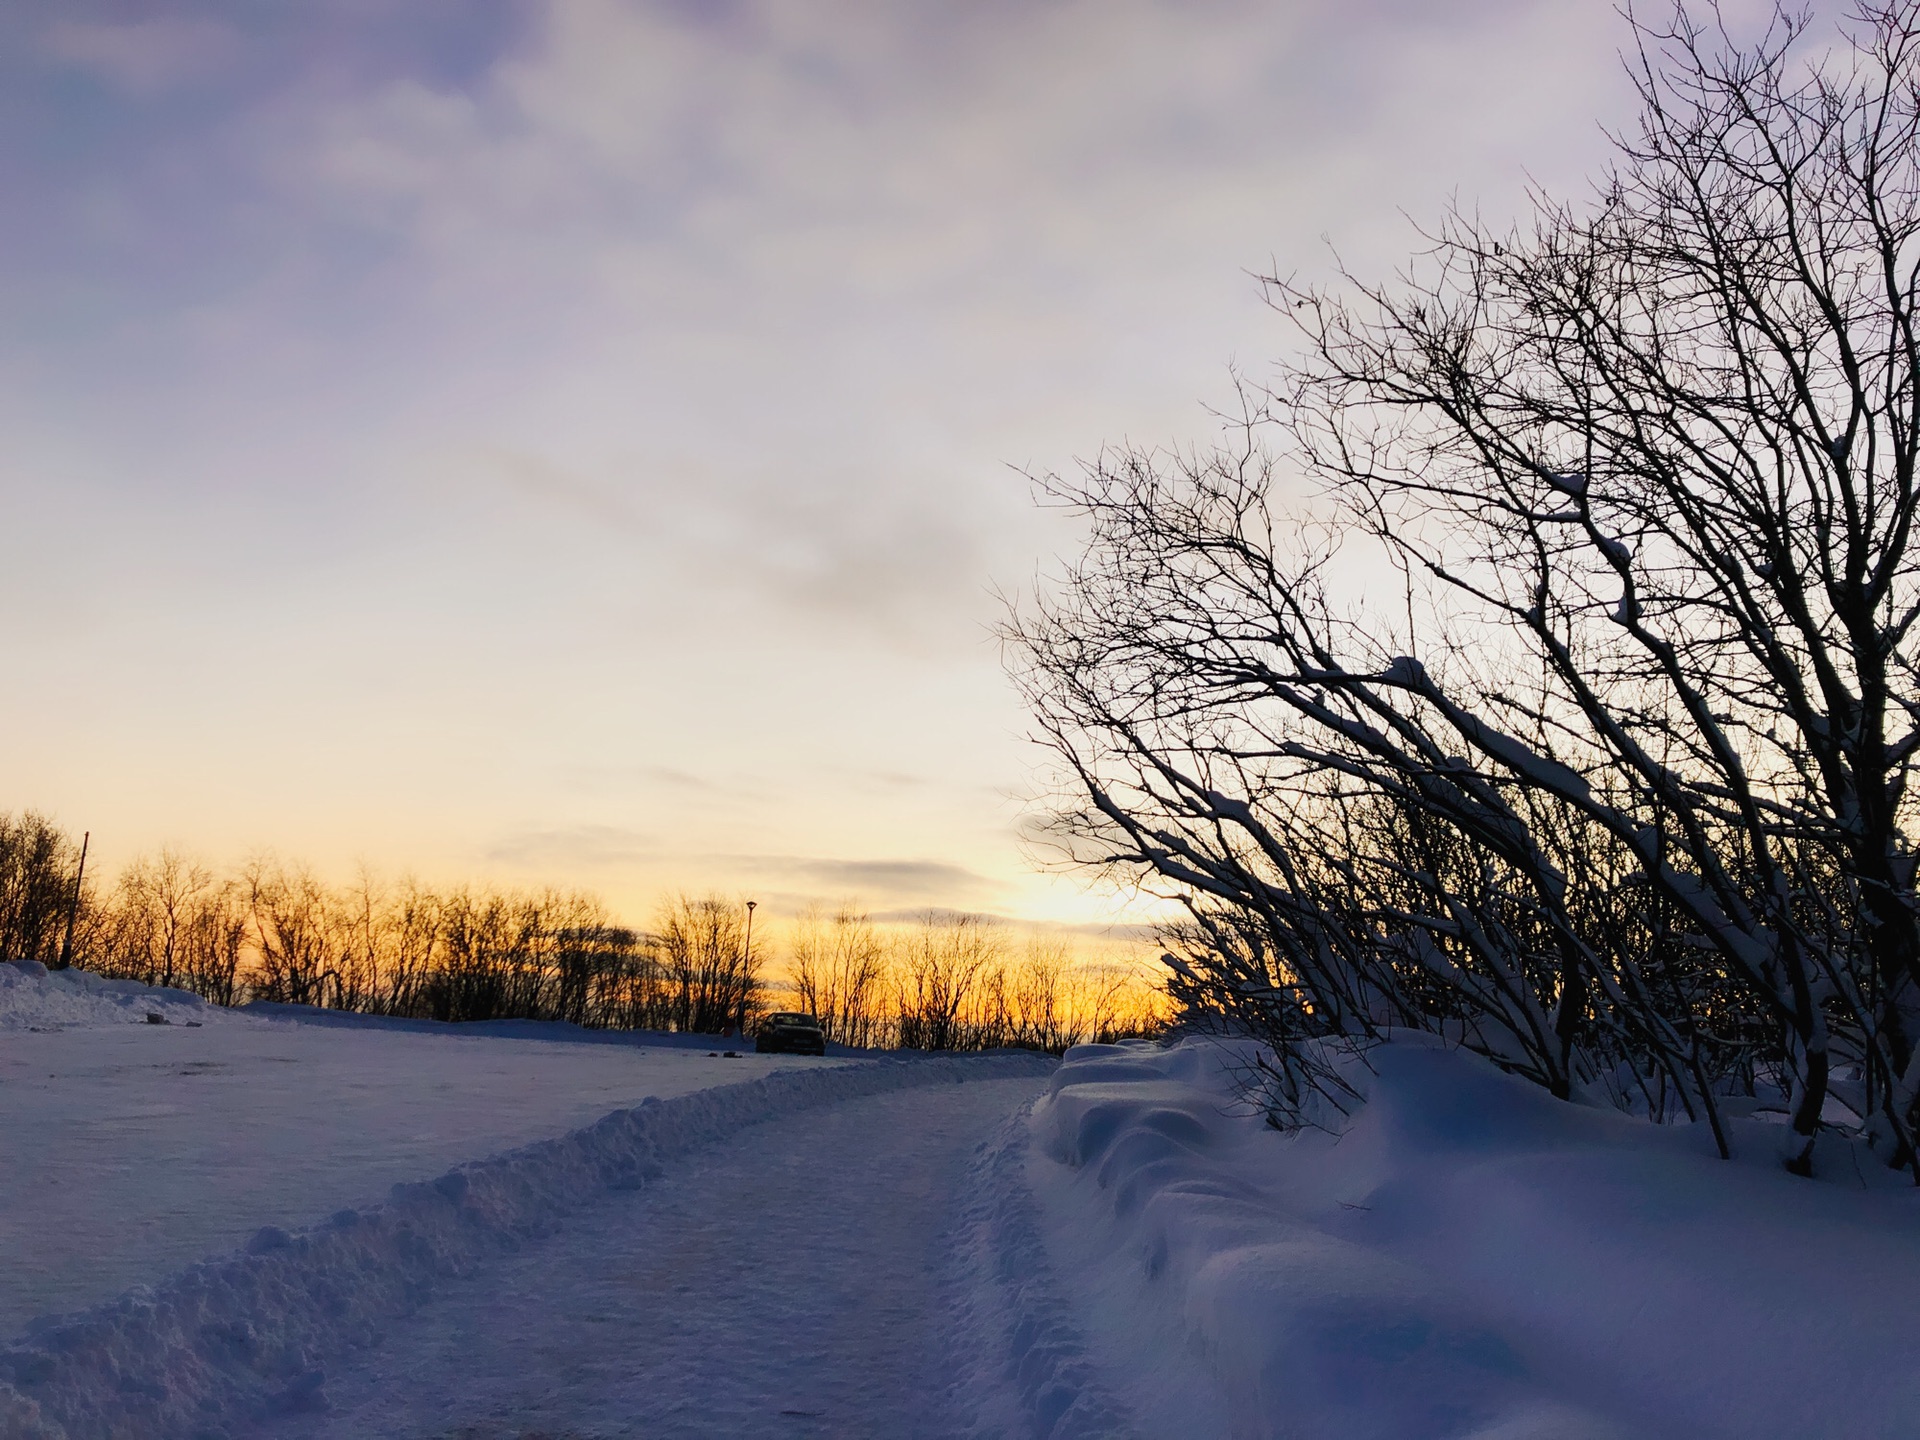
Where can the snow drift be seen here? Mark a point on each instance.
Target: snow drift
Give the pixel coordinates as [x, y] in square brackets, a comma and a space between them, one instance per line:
[246, 1335]
[33, 997]
[1466, 1258]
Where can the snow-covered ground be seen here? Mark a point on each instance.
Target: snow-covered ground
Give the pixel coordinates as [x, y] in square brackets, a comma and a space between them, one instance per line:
[132, 1148]
[868, 1248]
[787, 1282]
[1466, 1258]
[814, 1255]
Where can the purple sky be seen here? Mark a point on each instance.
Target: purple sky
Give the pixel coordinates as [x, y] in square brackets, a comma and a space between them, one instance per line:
[577, 442]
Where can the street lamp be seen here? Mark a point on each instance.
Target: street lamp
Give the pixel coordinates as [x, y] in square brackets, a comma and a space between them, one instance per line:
[747, 965]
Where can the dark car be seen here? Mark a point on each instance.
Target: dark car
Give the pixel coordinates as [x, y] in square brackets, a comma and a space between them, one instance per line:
[790, 1032]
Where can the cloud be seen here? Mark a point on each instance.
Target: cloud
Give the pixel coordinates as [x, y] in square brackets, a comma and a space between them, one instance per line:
[895, 881]
[556, 485]
[809, 878]
[578, 847]
[143, 57]
[892, 563]
[897, 564]
[790, 284]
[1132, 933]
[746, 304]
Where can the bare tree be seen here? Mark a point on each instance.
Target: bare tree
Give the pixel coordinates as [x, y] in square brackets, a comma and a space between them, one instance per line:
[485, 970]
[631, 988]
[714, 980]
[939, 966]
[278, 932]
[1113, 1003]
[1041, 995]
[217, 932]
[298, 933]
[157, 904]
[839, 972]
[360, 920]
[991, 1018]
[38, 865]
[1617, 791]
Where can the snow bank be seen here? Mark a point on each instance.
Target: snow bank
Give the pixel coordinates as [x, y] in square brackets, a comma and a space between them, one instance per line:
[35, 998]
[1468, 1258]
[240, 1337]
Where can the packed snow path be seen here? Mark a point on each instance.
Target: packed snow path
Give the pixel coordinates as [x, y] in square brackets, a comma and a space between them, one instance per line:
[784, 1283]
[134, 1149]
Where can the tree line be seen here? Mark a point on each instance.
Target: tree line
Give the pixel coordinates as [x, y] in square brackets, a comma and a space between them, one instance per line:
[960, 982]
[1574, 717]
[273, 931]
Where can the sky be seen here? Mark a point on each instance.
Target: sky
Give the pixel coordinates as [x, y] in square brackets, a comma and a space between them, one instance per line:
[586, 443]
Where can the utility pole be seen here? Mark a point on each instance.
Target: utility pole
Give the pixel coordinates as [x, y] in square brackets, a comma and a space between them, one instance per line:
[73, 909]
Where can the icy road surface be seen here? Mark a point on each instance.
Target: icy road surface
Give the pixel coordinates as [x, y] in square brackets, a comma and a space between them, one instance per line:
[133, 1149]
[786, 1282]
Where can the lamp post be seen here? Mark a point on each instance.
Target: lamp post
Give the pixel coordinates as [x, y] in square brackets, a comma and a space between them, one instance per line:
[747, 965]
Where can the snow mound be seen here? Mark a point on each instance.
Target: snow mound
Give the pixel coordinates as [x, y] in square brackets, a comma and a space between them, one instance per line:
[1469, 1258]
[33, 997]
[243, 1337]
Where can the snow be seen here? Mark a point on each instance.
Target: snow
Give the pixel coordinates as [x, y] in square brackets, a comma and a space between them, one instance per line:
[861, 1246]
[787, 1282]
[1468, 1257]
[134, 1149]
[32, 998]
[1021, 1354]
[248, 1338]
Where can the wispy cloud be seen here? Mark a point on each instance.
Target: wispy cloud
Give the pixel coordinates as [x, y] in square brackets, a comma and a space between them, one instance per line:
[591, 850]
[585, 848]
[889, 881]
[143, 57]
[628, 388]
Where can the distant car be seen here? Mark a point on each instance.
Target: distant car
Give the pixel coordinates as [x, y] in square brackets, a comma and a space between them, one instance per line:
[790, 1032]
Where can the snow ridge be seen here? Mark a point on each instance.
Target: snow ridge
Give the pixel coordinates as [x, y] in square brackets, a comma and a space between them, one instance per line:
[239, 1337]
[1027, 1358]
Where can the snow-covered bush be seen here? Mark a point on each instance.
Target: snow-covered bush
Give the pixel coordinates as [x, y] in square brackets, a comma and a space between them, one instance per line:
[1575, 721]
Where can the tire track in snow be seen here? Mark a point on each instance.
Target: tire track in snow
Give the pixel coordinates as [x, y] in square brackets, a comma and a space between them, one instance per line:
[1025, 1369]
[240, 1338]
[787, 1283]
